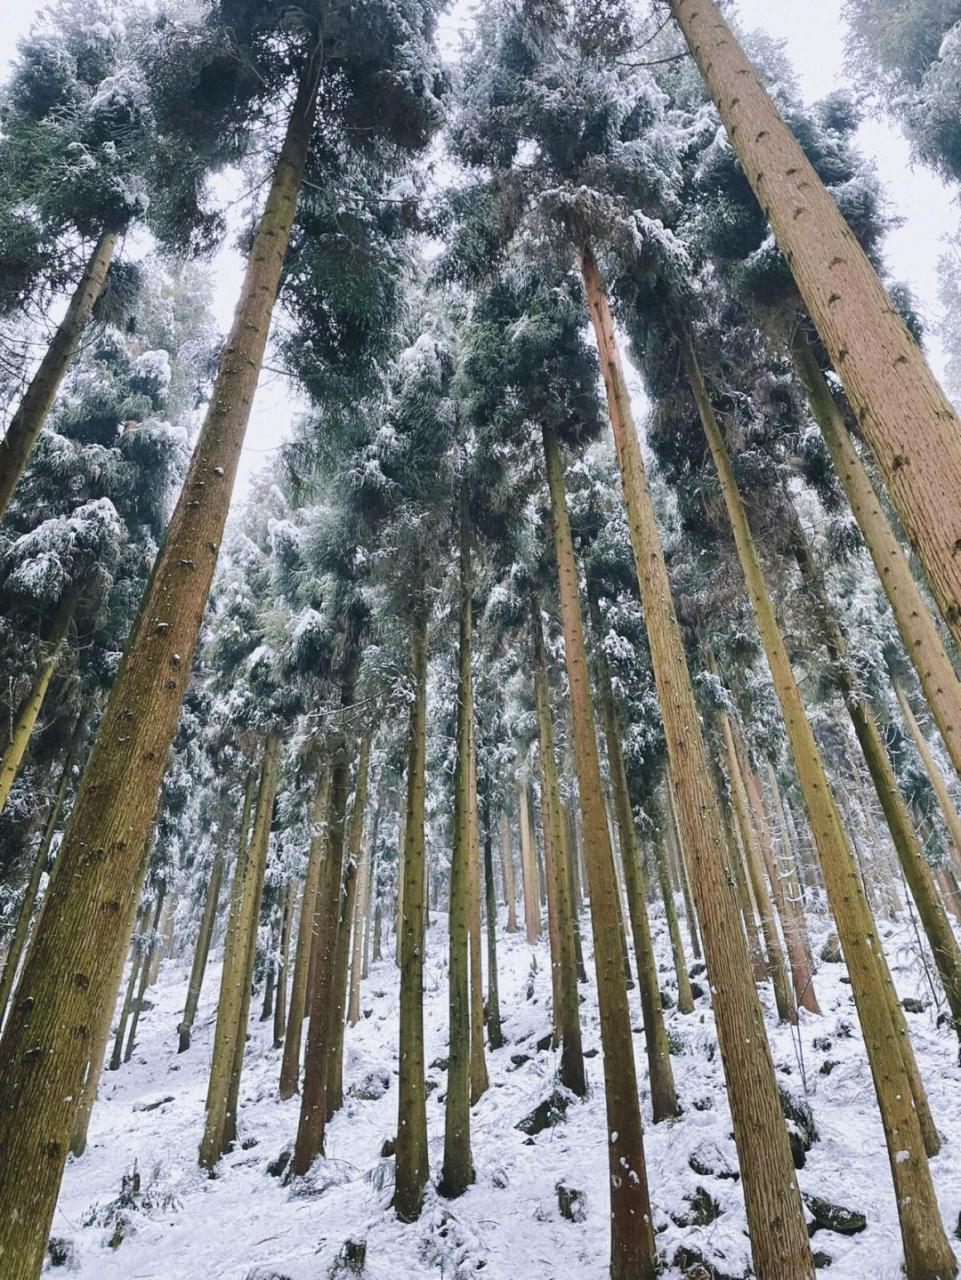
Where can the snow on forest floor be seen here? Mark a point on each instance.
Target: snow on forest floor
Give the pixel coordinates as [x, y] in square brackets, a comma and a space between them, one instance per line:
[246, 1225]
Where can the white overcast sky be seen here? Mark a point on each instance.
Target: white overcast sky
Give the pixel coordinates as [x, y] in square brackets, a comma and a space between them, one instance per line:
[813, 32]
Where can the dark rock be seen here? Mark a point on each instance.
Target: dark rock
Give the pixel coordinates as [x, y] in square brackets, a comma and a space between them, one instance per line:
[710, 1161]
[590, 1053]
[546, 1114]
[802, 1131]
[824, 1043]
[388, 1148]
[697, 990]
[519, 1059]
[500, 1180]
[703, 1104]
[910, 1005]
[571, 1202]
[694, 1266]
[697, 969]
[352, 1257]
[373, 1086]
[277, 1167]
[843, 1029]
[667, 1000]
[266, 1273]
[827, 1066]
[62, 1253]
[249, 1143]
[831, 951]
[833, 1217]
[821, 1259]
[152, 1106]
[430, 1085]
[439, 1064]
[545, 1042]
[701, 1209]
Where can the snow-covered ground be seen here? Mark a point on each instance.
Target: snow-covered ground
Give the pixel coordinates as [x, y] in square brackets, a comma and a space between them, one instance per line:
[246, 1225]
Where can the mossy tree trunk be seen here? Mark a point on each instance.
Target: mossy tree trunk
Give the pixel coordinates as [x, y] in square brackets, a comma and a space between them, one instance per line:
[952, 819]
[70, 967]
[779, 1239]
[567, 1021]
[632, 1230]
[290, 1062]
[458, 1168]
[663, 1096]
[202, 949]
[905, 417]
[412, 1168]
[899, 1091]
[27, 422]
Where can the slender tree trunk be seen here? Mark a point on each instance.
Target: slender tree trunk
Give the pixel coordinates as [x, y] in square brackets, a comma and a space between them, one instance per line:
[283, 963]
[29, 709]
[495, 1035]
[145, 972]
[27, 423]
[922, 643]
[458, 1169]
[663, 1096]
[412, 1168]
[359, 935]
[338, 1008]
[312, 1125]
[952, 819]
[903, 414]
[290, 1063]
[479, 1081]
[685, 997]
[779, 1239]
[136, 963]
[532, 910]
[370, 913]
[896, 1081]
[117, 799]
[689, 910]
[202, 950]
[788, 870]
[270, 966]
[507, 870]
[567, 1021]
[632, 1231]
[21, 930]
[231, 1030]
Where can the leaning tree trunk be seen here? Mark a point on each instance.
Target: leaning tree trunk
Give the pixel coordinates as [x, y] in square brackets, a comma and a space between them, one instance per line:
[312, 1124]
[689, 911]
[899, 1091]
[458, 1169]
[495, 1034]
[567, 1019]
[479, 1082]
[779, 1239]
[145, 973]
[952, 820]
[115, 806]
[685, 996]
[202, 949]
[507, 871]
[27, 423]
[29, 709]
[663, 1096]
[903, 414]
[532, 910]
[907, 845]
[136, 964]
[231, 1029]
[21, 930]
[290, 1063]
[632, 1230]
[922, 643]
[411, 1167]
[283, 963]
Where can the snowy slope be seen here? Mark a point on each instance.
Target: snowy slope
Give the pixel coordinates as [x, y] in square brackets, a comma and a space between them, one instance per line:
[246, 1225]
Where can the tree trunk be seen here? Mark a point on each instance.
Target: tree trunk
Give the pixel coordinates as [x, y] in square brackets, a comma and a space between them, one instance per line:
[685, 997]
[507, 871]
[495, 1035]
[27, 423]
[145, 972]
[202, 949]
[372, 904]
[136, 963]
[312, 1124]
[663, 1096]
[21, 930]
[952, 820]
[632, 1231]
[283, 963]
[411, 1168]
[922, 643]
[889, 1050]
[903, 414]
[689, 909]
[567, 1021]
[359, 934]
[117, 799]
[779, 1239]
[458, 1169]
[338, 1007]
[478, 1064]
[231, 1029]
[789, 872]
[29, 709]
[532, 910]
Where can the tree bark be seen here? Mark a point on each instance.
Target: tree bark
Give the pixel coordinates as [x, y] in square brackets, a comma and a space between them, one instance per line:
[685, 997]
[479, 1081]
[412, 1169]
[905, 417]
[27, 423]
[202, 949]
[136, 963]
[896, 1081]
[663, 1096]
[632, 1231]
[495, 1035]
[952, 819]
[779, 1239]
[290, 1063]
[65, 982]
[373, 903]
[283, 963]
[145, 972]
[458, 1168]
[567, 1021]
[507, 870]
[689, 910]
[532, 910]
[29, 709]
[21, 932]
[922, 642]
